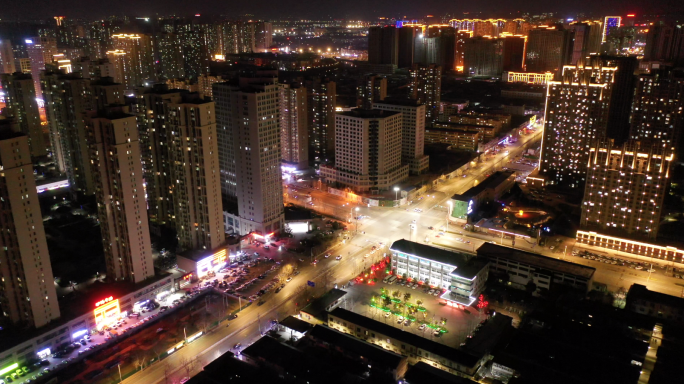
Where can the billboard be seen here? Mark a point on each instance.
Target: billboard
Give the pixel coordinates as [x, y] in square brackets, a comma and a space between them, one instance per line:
[106, 312]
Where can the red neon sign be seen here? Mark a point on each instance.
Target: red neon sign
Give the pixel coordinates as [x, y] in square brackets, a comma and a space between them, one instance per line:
[104, 301]
[188, 276]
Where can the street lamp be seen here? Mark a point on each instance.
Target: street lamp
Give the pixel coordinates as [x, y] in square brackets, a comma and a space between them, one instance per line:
[450, 204]
[396, 191]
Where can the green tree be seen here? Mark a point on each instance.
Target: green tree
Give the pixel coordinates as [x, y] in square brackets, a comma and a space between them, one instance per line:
[387, 301]
[407, 297]
[419, 302]
[396, 294]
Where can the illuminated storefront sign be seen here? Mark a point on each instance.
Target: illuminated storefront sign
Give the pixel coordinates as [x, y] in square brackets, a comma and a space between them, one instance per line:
[106, 312]
[213, 262]
[185, 280]
[195, 336]
[470, 208]
[79, 333]
[44, 353]
[9, 368]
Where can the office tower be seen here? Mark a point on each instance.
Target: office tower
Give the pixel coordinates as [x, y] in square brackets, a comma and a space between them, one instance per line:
[610, 23]
[321, 100]
[21, 106]
[459, 50]
[483, 56]
[626, 186]
[426, 87]
[372, 89]
[135, 52]
[587, 39]
[118, 178]
[40, 51]
[294, 129]
[170, 52]
[27, 287]
[513, 52]
[367, 150]
[6, 57]
[247, 115]
[195, 174]
[263, 36]
[383, 44]
[406, 45]
[657, 108]
[412, 132]
[548, 49]
[577, 110]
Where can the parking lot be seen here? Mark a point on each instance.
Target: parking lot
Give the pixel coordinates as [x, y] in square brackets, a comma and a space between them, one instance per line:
[459, 323]
[628, 263]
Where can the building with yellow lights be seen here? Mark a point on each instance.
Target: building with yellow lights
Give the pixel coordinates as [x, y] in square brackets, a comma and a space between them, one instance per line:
[625, 187]
[577, 110]
[136, 53]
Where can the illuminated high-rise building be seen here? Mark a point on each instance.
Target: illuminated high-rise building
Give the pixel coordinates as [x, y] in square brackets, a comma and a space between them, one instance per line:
[6, 57]
[367, 151]
[372, 89]
[118, 177]
[658, 107]
[170, 52]
[625, 188]
[248, 120]
[513, 52]
[436, 45]
[294, 129]
[383, 45]
[459, 50]
[610, 23]
[548, 49]
[412, 132]
[263, 36]
[67, 97]
[426, 87]
[136, 52]
[205, 84]
[195, 173]
[577, 110]
[27, 286]
[322, 97]
[22, 107]
[153, 108]
[93, 69]
[40, 51]
[665, 43]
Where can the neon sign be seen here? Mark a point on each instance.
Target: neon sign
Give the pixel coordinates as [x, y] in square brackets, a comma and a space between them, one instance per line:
[104, 301]
[470, 207]
[107, 312]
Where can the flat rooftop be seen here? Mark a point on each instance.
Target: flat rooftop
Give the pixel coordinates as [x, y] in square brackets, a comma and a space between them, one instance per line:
[494, 250]
[424, 373]
[355, 346]
[640, 292]
[317, 308]
[368, 113]
[492, 181]
[467, 266]
[453, 354]
[296, 324]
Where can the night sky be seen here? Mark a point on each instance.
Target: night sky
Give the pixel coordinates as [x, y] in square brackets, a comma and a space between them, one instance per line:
[272, 9]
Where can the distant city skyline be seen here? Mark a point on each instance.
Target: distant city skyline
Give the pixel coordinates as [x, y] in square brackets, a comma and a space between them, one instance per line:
[270, 9]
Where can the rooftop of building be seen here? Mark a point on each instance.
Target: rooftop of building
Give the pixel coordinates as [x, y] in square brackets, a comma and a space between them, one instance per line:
[368, 113]
[351, 344]
[457, 128]
[296, 324]
[77, 303]
[466, 265]
[494, 180]
[400, 101]
[640, 292]
[451, 125]
[200, 254]
[453, 354]
[317, 308]
[495, 250]
[424, 373]
[229, 369]
[6, 131]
